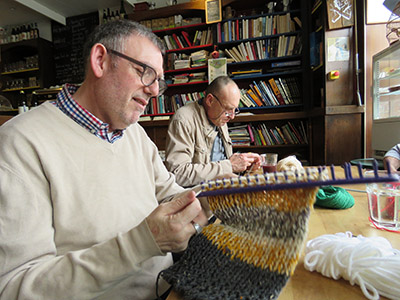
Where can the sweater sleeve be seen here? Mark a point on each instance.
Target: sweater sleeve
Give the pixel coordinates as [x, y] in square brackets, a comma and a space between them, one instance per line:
[180, 153]
[394, 152]
[42, 273]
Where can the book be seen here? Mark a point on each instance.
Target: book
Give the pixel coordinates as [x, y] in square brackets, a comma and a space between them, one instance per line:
[254, 97]
[238, 54]
[280, 88]
[144, 118]
[250, 133]
[269, 93]
[187, 38]
[232, 55]
[158, 118]
[263, 94]
[243, 51]
[290, 63]
[276, 91]
[249, 51]
[177, 41]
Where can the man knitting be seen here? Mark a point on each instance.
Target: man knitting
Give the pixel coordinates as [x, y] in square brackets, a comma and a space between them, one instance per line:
[83, 191]
[198, 144]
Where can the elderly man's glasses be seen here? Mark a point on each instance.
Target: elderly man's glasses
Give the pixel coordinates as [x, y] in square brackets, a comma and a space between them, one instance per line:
[228, 112]
[148, 76]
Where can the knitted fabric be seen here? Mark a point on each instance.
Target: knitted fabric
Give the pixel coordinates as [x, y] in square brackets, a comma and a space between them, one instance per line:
[254, 250]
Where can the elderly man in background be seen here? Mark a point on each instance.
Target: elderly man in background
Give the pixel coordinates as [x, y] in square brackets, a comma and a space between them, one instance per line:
[198, 143]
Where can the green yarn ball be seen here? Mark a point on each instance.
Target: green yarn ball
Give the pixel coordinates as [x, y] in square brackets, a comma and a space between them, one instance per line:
[334, 197]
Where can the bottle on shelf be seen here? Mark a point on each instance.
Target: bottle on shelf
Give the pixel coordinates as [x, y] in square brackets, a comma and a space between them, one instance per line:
[105, 17]
[22, 107]
[117, 15]
[122, 11]
[23, 32]
[36, 31]
[108, 15]
[28, 32]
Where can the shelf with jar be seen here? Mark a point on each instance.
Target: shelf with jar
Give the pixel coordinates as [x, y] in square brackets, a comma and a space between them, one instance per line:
[26, 65]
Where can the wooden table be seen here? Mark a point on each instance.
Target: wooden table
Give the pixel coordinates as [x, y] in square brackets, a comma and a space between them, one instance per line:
[307, 285]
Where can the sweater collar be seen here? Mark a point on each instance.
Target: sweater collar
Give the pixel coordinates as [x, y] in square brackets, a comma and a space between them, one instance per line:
[66, 103]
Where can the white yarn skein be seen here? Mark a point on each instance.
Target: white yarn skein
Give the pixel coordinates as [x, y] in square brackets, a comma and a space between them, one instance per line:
[369, 262]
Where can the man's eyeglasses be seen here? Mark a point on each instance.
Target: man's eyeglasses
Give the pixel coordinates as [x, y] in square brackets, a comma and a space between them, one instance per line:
[228, 112]
[148, 76]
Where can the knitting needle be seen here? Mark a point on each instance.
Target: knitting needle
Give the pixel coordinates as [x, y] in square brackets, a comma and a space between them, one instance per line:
[354, 190]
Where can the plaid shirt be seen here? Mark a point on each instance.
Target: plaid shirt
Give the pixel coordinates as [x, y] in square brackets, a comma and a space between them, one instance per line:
[80, 115]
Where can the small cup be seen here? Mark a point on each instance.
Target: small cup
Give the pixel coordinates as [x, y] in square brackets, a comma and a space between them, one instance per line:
[384, 202]
[269, 161]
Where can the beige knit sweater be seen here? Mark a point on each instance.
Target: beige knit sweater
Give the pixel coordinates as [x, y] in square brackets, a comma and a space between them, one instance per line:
[72, 210]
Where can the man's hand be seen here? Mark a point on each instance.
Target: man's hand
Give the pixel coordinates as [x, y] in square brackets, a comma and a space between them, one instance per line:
[393, 162]
[171, 222]
[242, 161]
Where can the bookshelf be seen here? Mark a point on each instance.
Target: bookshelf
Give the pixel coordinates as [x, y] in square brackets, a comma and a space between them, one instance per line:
[188, 47]
[268, 60]
[326, 111]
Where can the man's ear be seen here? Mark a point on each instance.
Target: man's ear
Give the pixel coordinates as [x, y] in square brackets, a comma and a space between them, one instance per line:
[208, 99]
[98, 60]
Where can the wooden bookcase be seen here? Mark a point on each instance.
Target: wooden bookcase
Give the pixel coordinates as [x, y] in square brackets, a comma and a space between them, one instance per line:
[327, 110]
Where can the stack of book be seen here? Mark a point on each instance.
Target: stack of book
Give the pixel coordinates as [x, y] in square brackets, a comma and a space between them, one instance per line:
[199, 58]
[196, 77]
[181, 64]
[239, 135]
[180, 78]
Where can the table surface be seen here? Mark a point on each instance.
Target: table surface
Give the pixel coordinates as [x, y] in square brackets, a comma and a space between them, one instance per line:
[307, 285]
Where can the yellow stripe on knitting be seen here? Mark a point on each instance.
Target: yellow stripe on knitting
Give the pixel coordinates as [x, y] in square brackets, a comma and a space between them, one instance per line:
[289, 200]
[276, 255]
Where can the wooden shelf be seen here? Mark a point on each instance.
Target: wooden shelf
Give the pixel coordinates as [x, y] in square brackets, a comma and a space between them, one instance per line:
[271, 146]
[189, 48]
[187, 83]
[20, 89]
[20, 71]
[188, 8]
[179, 28]
[186, 70]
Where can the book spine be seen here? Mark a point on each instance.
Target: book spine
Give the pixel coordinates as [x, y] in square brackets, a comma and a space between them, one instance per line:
[275, 89]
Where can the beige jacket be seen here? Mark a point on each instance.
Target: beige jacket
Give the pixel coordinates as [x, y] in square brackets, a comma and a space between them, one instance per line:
[190, 140]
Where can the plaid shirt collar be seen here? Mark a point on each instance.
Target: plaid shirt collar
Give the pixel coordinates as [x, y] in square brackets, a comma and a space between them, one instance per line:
[66, 103]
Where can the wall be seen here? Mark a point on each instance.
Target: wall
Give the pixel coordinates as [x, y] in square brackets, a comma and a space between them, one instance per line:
[375, 41]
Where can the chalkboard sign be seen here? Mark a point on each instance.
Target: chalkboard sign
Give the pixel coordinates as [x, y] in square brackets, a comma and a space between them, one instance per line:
[68, 41]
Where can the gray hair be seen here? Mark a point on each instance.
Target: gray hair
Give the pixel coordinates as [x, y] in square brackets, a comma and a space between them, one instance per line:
[218, 84]
[114, 34]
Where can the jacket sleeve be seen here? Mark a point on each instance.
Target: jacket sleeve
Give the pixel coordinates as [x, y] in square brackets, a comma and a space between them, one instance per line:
[180, 153]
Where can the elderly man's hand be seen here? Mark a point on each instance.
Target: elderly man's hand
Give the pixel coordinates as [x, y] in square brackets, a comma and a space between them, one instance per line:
[242, 161]
[172, 222]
